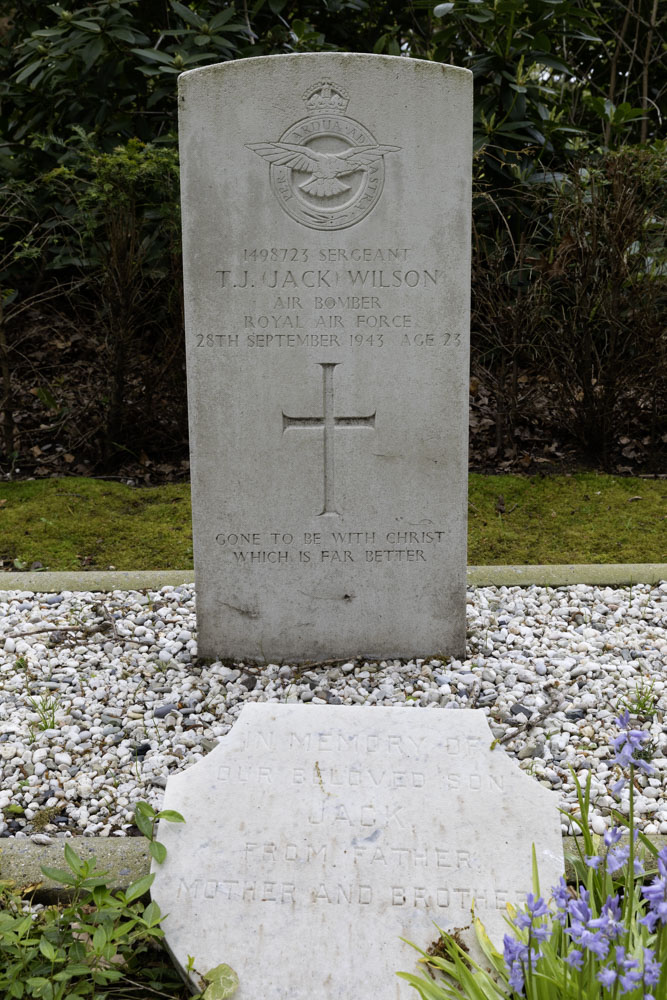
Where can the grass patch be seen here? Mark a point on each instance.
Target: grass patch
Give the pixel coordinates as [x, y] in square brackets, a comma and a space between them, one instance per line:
[582, 518]
[69, 524]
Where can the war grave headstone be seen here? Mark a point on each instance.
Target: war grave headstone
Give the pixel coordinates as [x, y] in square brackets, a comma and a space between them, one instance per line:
[326, 240]
[317, 837]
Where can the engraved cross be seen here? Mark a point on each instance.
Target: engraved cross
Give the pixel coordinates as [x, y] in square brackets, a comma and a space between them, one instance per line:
[328, 421]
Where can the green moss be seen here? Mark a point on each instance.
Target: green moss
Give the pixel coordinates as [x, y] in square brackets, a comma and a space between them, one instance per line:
[582, 518]
[43, 817]
[70, 524]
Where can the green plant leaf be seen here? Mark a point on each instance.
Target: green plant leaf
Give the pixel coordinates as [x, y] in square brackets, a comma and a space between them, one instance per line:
[171, 816]
[47, 949]
[154, 55]
[73, 860]
[144, 819]
[99, 938]
[158, 851]
[188, 15]
[223, 983]
[88, 25]
[59, 875]
[139, 887]
[152, 914]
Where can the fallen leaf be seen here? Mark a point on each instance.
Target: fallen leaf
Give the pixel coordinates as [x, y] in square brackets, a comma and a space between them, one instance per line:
[68, 458]
[36, 450]
[630, 499]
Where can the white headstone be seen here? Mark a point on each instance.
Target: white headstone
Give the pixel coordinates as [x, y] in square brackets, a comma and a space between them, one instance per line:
[326, 242]
[317, 837]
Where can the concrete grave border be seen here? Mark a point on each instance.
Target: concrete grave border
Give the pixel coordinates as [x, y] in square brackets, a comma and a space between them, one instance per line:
[594, 574]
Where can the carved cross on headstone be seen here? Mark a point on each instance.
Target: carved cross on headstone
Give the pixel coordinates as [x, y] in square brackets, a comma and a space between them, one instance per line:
[328, 421]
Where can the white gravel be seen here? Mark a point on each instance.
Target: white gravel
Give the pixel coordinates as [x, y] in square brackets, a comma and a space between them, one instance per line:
[102, 697]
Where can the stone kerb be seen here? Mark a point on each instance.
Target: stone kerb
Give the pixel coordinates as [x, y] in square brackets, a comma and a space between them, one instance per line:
[330, 833]
[597, 574]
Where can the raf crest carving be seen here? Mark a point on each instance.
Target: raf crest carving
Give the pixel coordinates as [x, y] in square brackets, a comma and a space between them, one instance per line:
[327, 170]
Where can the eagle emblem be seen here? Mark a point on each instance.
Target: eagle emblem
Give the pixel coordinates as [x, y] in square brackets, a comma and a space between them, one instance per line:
[327, 170]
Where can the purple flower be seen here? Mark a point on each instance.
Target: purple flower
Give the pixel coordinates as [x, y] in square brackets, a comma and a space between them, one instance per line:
[596, 935]
[627, 742]
[650, 920]
[652, 968]
[561, 897]
[515, 954]
[656, 894]
[662, 861]
[607, 977]
[594, 861]
[609, 921]
[536, 908]
[561, 894]
[628, 974]
[575, 958]
[597, 943]
[542, 932]
[616, 858]
[613, 836]
[536, 905]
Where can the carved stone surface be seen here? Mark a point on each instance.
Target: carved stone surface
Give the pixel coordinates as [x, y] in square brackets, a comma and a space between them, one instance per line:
[326, 229]
[317, 837]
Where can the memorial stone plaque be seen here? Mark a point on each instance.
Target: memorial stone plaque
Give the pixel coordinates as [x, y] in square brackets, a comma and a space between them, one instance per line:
[326, 234]
[317, 837]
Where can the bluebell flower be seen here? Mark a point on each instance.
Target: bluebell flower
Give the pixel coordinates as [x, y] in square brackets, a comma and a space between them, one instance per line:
[613, 836]
[598, 944]
[610, 920]
[626, 743]
[594, 861]
[515, 954]
[575, 958]
[628, 972]
[616, 858]
[561, 897]
[607, 977]
[656, 894]
[536, 905]
[579, 909]
[561, 894]
[662, 861]
[542, 932]
[618, 786]
[652, 968]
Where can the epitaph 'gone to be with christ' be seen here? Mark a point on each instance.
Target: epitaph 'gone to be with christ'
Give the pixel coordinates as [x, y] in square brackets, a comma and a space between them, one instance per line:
[326, 246]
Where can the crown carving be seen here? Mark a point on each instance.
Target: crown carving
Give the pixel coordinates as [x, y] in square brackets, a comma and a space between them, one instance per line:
[326, 96]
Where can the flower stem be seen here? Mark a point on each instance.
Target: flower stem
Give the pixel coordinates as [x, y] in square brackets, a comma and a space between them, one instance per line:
[630, 877]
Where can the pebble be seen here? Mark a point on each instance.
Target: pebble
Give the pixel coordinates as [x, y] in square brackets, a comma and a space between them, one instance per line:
[544, 676]
[164, 710]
